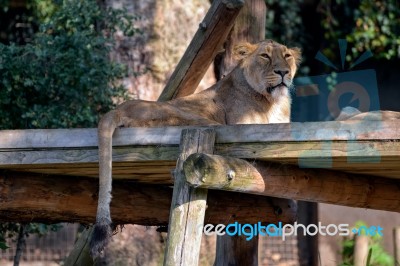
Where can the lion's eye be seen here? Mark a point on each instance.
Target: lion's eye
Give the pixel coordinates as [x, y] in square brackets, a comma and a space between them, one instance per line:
[266, 56]
[287, 55]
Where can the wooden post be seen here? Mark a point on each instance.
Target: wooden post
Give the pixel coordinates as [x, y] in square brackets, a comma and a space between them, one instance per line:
[232, 250]
[79, 255]
[396, 245]
[188, 204]
[307, 244]
[360, 250]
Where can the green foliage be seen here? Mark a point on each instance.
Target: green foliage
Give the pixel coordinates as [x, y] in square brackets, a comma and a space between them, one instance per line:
[376, 256]
[284, 22]
[19, 23]
[10, 231]
[285, 25]
[64, 78]
[366, 24]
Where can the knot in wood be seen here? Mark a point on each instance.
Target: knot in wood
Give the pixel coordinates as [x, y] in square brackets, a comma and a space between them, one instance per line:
[230, 175]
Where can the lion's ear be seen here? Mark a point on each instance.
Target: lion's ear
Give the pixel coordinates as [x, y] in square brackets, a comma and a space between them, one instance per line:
[296, 53]
[243, 50]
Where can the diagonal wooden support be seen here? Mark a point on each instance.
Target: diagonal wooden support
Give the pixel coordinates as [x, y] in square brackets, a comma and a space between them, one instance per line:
[188, 204]
[205, 45]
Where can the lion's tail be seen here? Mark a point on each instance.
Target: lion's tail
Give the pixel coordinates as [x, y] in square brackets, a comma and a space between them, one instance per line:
[102, 229]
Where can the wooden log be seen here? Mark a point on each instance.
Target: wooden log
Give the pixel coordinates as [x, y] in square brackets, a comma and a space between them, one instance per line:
[203, 48]
[315, 185]
[236, 250]
[307, 244]
[28, 197]
[188, 204]
[361, 250]
[396, 245]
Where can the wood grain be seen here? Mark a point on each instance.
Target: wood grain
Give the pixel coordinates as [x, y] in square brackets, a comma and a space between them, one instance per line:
[28, 197]
[314, 185]
[188, 204]
[205, 45]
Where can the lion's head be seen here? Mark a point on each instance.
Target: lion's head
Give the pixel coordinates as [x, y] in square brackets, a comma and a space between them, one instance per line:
[269, 67]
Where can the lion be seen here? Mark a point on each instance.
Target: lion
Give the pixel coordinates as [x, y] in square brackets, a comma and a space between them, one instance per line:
[257, 91]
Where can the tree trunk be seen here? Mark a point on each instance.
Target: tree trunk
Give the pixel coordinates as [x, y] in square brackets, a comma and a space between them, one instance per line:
[20, 244]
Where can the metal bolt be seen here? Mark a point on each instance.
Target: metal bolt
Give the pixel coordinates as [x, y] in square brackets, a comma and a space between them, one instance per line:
[203, 26]
[230, 175]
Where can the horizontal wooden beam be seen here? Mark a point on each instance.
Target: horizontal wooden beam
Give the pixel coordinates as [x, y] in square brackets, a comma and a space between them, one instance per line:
[169, 136]
[371, 147]
[51, 199]
[315, 185]
[205, 45]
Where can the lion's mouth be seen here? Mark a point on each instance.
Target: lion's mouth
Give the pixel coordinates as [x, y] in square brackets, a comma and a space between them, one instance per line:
[272, 88]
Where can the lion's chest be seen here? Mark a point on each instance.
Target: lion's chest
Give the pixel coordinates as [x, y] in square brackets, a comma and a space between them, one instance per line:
[258, 114]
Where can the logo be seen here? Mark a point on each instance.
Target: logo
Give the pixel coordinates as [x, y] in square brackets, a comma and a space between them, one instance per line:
[287, 230]
[325, 97]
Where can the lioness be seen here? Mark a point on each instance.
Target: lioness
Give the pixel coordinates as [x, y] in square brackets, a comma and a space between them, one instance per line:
[255, 92]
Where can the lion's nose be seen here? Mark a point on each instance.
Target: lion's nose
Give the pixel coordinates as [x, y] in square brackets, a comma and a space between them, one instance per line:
[282, 73]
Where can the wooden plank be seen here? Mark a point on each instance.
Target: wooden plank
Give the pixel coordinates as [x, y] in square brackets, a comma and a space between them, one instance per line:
[262, 178]
[368, 157]
[52, 199]
[341, 146]
[205, 45]
[188, 204]
[297, 132]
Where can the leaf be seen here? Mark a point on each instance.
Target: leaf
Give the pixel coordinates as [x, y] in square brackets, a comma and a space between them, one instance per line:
[3, 246]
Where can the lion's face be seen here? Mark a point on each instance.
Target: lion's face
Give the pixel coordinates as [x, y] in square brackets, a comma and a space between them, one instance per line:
[269, 67]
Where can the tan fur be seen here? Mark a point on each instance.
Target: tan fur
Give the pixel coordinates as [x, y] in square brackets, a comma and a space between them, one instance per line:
[251, 94]
[351, 113]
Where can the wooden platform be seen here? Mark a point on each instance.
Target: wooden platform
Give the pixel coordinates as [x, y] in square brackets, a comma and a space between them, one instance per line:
[149, 154]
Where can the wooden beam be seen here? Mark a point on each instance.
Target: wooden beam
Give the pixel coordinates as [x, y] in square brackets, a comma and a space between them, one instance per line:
[369, 148]
[205, 45]
[287, 132]
[188, 204]
[28, 197]
[315, 185]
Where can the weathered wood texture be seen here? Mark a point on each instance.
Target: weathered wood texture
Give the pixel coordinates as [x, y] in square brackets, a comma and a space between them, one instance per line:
[396, 245]
[236, 250]
[361, 250]
[315, 185]
[307, 245]
[50, 199]
[79, 255]
[203, 48]
[149, 154]
[188, 204]
[249, 27]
